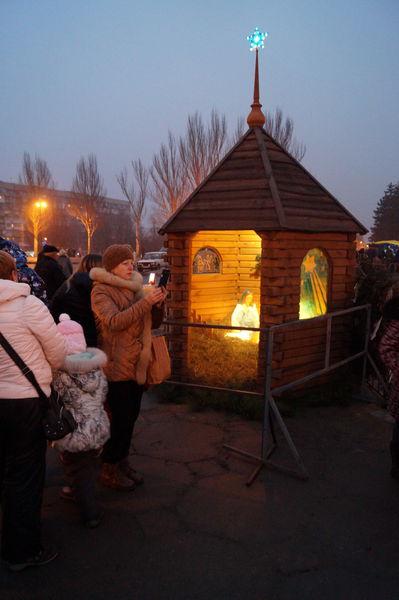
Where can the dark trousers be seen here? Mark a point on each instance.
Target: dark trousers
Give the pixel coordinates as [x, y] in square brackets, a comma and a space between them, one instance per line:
[124, 402]
[22, 470]
[82, 471]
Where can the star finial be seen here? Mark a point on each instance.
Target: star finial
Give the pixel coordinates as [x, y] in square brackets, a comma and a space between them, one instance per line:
[256, 39]
[256, 118]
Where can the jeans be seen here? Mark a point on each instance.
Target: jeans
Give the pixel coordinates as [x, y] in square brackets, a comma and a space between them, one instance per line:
[124, 402]
[22, 471]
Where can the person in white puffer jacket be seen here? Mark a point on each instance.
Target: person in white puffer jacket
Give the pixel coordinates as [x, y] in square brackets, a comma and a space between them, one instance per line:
[83, 386]
[28, 326]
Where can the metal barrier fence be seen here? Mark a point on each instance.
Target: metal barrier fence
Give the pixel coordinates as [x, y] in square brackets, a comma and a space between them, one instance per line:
[271, 411]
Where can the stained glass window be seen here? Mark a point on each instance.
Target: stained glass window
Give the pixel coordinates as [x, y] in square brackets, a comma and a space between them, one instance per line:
[314, 283]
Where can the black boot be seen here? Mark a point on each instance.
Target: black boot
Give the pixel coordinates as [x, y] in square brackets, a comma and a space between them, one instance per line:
[394, 448]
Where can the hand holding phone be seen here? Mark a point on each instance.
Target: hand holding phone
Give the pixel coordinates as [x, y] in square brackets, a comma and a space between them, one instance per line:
[163, 280]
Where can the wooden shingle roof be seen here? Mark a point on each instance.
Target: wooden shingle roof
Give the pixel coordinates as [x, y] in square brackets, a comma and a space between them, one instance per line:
[259, 186]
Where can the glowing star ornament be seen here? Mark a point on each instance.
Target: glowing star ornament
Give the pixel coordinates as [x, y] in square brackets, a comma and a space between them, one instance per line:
[309, 264]
[256, 39]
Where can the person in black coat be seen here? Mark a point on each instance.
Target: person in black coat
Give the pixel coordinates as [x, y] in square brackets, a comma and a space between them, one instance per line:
[49, 270]
[73, 298]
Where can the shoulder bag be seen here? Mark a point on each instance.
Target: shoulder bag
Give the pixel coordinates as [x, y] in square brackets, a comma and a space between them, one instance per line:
[159, 368]
[58, 421]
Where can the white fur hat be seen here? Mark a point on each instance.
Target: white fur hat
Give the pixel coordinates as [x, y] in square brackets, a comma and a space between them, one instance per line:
[73, 334]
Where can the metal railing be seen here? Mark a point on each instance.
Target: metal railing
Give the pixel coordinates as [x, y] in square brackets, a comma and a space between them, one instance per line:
[270, 407]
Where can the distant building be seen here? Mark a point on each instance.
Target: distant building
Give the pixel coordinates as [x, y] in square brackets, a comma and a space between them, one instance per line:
[62, 230]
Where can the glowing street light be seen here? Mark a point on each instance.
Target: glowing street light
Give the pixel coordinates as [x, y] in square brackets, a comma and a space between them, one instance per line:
[41, 204]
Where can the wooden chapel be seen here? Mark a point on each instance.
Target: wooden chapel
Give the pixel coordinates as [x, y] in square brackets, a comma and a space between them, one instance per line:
[260, 212]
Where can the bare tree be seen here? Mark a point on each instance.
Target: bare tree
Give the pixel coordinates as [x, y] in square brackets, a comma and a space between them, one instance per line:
[239, 131]
[36, 220]
[35, 173]
[201, 148]
[181, 165]
[88, 200]
[282, 130]
[136, 198]
[193, 150]
[216, 139]
[36, 176]
[167, 174]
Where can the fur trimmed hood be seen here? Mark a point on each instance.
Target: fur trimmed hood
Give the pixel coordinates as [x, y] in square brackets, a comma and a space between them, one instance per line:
[92, 359]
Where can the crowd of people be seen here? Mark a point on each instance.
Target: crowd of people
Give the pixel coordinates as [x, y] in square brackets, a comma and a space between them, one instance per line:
[88, 334]
[385, 256]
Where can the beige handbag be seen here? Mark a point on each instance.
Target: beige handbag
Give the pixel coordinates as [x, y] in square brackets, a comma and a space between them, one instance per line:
[159, 368]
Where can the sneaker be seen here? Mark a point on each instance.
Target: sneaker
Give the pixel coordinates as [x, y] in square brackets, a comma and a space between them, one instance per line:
[42, 558]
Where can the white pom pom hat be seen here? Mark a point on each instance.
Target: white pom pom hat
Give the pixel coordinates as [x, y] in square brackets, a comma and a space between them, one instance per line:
[73, 334]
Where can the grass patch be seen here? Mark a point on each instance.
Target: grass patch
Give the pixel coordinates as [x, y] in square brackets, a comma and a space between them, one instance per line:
[221, 361]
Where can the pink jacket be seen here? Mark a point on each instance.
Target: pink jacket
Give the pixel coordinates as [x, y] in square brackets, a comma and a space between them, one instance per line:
[29, 327]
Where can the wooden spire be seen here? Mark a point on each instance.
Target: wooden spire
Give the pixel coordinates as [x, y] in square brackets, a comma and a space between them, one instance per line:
[256, 118]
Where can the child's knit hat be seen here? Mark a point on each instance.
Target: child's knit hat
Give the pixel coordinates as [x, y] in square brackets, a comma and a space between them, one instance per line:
[73, 334]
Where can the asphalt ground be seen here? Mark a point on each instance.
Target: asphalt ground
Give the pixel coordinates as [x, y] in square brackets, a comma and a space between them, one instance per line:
[195, 531]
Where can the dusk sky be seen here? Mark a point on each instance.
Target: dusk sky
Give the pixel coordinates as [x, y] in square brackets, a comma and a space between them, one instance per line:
[113, 76]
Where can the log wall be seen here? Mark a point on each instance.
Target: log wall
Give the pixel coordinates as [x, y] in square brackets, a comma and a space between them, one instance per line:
[179, 259]
[282, 255]
[300, 350]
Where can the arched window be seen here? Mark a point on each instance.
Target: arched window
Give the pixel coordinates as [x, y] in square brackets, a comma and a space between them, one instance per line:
[314, 284]
[207, 260]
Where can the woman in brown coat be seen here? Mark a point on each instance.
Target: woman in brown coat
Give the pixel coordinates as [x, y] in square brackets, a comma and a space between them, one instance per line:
[124, 315]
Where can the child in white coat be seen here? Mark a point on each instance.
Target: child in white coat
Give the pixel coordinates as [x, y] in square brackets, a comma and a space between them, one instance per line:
[83, 386]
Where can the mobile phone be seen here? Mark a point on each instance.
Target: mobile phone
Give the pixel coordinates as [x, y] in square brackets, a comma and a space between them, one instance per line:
[163, 280]
[151, 279]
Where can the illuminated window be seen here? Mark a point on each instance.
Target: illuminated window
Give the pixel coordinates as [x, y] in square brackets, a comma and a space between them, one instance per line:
[314, 280]
[206, 261]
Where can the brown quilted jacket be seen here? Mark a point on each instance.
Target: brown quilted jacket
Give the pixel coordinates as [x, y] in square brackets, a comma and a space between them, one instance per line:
[123, 319]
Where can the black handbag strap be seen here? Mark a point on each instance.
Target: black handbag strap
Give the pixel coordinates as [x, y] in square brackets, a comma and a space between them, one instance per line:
[22, 365]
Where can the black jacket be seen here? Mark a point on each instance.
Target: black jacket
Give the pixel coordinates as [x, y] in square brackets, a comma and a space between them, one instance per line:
[75, 301]
[51, 273]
